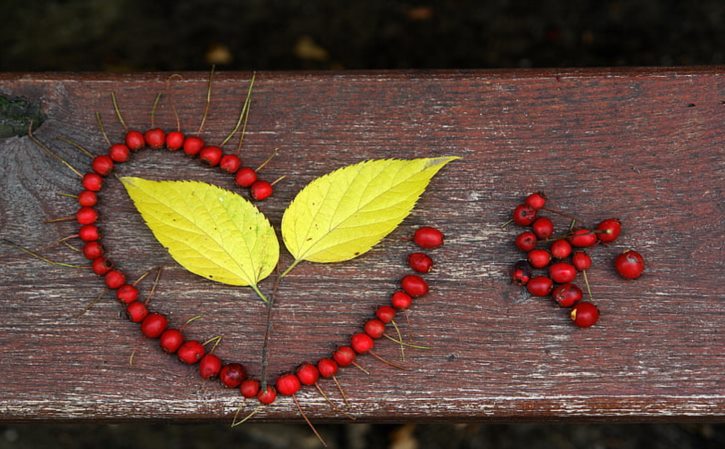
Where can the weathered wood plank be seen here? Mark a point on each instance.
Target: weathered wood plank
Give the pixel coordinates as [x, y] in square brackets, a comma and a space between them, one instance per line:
[643, 145]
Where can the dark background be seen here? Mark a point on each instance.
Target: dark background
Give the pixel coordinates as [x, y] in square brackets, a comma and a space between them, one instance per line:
[134, 35]
[141, 35]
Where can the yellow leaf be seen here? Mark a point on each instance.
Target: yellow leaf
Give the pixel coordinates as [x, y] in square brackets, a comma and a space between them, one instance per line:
[208, 230]
[343, 214]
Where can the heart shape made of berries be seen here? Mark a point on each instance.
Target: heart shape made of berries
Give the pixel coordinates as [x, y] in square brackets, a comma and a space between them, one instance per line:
[155, 325]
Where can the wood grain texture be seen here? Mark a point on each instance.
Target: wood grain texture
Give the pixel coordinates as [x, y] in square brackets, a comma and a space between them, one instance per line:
[643, 145]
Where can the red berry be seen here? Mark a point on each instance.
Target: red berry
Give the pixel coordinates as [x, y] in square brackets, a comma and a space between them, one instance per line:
[308, 374]
[287, 384]
[86, 215]
[629, 264]
[92, 250]
[543, 227]
[174, 140]
[566, 295]
[114, 279]
[562, 272]
[261, 190]
[539, 258]
[137, 311]
[362, 343]
[87, 198]
[268, 396]
[560, 249]
[127, 293]
[526, 241]
[583, 238]
[154, 325]
[401, 300]
[102, 165]
[420, 262]
[135, 140]
[581, 260]
[428, 237]
[119, 152]
[536, 200]
[245, 177]
[209, 366]
[344, 356]
[540, 286]
[385, 314]
[584, 314]
[89, 233]
[374, 328]
[101, 266]
[524, 215]
[414, 285]
[211, 155]
[155, 138]
[192, 145]
[249, 388]
[232, 375]
[327, 367]
[190, 352]
[609, 230]
[521, 273]
[171, 340]
[230, 163]
[92, 182]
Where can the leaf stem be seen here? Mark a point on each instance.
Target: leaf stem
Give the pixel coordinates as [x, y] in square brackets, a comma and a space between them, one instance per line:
[259, 293]
[268, 331]
[290, 268]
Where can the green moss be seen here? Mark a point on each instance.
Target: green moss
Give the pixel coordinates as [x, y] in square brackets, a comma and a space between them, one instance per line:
[16, 114]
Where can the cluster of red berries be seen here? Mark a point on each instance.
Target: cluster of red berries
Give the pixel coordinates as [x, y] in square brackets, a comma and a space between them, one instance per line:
[155, 325]
[192, 146]
[564, 258]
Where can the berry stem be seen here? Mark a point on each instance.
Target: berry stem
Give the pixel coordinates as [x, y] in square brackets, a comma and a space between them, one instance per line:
[90, 305]
[118, 111]
[50, 152]
[69, 195]
[236, 423]
[99, 122]
[506, 224]
[44, 259]
[153, 110]
[69, 246]
[388, 362]
[131, 357]
[330, 403]
[78, 146]
[360, 367]
[189, 321]
[60, 219]
[278, 180]
[586, 282]
[309, 423]
[563, 214]
[400, 337]
[216, 340]
[243, 114]
[208, 100]
[410, 345]
[154, 285]
[172, 99]
[342, 392]
[266, 161]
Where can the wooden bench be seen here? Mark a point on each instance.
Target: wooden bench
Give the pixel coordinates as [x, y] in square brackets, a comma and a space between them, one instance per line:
[644, 145]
